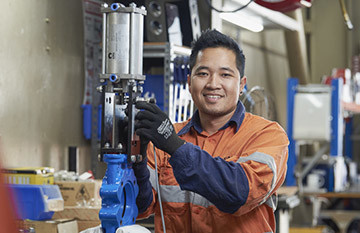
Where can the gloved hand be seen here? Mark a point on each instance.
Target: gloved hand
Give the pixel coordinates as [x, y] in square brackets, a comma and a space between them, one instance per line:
[154, 125]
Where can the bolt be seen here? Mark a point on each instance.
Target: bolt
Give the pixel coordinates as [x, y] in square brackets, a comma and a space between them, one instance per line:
[107, 145]
[47, 20]
[139, 158]
[102, 80]
[99, 88]
[131, 81]
[120, 146]
[99, 157]
[138, 98]
[105, 5]
[132, 4]
[133, 158]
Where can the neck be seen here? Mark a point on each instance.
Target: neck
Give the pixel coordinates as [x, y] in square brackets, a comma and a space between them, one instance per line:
[211, 124]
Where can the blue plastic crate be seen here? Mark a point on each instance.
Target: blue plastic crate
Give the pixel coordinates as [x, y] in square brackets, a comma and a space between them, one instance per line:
[34, 202]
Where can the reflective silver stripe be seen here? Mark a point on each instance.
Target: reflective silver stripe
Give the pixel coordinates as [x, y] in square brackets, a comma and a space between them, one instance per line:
[152, 177]
[265, 159]
[272, 202]
[173, 193]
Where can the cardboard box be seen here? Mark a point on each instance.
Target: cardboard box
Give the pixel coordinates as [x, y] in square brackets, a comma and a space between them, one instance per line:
[83, 225]
[29, 175]
[51, 226]
[79, 213]
[80, 193]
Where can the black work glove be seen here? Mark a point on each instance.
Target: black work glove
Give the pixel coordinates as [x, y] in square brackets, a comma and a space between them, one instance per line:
[154, 125]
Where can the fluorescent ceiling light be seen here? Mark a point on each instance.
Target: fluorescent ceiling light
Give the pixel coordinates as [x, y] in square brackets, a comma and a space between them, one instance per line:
[251, 23]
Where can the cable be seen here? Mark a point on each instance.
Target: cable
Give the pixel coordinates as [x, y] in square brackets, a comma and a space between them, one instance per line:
[233, 11]
[345, 15]
[158, 192]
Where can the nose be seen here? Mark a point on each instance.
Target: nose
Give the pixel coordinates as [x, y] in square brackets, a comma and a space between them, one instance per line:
[213, 81]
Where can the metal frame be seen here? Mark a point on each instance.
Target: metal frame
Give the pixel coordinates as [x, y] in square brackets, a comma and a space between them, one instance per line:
[292, 83]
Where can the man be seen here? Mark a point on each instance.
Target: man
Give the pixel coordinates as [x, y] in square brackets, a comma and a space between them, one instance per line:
[219, 170]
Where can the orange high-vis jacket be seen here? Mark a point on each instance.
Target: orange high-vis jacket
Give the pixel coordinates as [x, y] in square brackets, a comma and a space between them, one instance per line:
[225, 182]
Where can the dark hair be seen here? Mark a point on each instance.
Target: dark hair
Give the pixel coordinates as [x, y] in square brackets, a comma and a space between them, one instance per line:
[215, 39]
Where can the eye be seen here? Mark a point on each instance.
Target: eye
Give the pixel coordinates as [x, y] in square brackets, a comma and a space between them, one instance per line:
[201, 74]
[226, 75]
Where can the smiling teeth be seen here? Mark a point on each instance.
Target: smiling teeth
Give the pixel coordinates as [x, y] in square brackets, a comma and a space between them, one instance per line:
[213, 96]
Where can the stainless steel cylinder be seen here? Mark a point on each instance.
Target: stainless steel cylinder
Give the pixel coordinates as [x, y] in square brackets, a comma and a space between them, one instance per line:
[136, 49]
[118, 43]
[124, 43]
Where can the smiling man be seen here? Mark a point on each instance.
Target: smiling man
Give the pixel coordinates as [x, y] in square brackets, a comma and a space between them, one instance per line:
[218, 171]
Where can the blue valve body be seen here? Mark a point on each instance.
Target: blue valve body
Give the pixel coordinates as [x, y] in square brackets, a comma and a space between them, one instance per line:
[118, 192]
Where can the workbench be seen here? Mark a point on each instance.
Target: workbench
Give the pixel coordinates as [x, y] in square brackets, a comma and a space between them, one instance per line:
[342, 218]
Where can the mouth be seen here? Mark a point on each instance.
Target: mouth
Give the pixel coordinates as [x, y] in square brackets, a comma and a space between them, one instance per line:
[212, 97]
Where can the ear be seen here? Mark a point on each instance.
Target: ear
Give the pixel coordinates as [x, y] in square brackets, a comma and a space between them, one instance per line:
[242, 83]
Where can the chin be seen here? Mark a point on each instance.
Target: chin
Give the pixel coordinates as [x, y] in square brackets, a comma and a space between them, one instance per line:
[216, 112]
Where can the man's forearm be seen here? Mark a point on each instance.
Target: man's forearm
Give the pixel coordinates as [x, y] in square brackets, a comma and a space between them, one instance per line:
[223, 183]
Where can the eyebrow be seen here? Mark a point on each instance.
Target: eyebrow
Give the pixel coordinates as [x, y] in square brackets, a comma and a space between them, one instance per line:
[221, 68]
[228, 69]
[202, 68]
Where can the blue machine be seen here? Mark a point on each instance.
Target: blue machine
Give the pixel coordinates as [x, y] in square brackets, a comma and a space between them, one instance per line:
[336, 137]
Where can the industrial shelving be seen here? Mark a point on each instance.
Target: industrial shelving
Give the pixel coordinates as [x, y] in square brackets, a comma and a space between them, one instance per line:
[168, 52]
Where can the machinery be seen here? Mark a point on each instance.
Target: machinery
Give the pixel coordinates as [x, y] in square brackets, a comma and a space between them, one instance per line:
[121, 79]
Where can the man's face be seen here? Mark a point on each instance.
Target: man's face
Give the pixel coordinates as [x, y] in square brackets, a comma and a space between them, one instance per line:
[215, 82]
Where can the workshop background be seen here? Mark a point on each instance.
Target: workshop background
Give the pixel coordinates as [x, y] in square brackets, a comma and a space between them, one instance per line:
[42, 77]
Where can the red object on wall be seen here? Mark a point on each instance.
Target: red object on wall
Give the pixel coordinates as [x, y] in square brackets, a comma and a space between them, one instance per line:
[283, 5]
